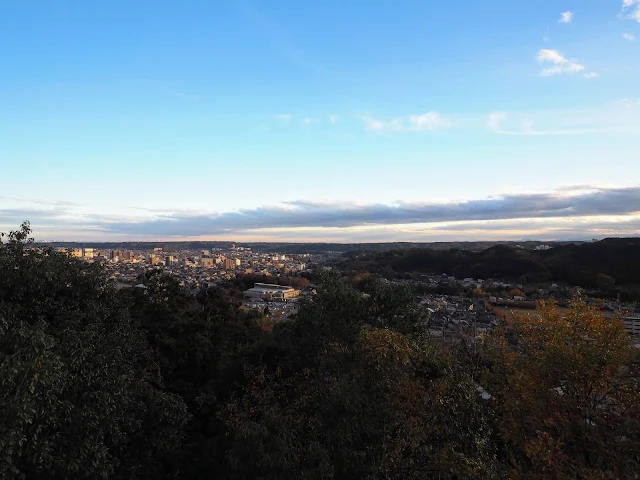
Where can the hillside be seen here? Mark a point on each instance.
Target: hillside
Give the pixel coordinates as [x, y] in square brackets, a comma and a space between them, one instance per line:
[583, 264]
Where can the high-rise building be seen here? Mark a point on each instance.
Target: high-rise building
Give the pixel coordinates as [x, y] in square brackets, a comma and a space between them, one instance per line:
[237, 262]
[229, 264]
[76, 252]
[154, 259]
[169, 260]
[87, 253]
[116, 255]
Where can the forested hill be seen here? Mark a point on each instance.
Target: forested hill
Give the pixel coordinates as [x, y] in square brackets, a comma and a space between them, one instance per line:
[583, 264]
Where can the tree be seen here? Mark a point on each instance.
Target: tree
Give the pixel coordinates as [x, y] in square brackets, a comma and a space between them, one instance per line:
[516, 292]
[477, 293]
[351, 390]
[79, 393]
[566, 390]
[605, 282]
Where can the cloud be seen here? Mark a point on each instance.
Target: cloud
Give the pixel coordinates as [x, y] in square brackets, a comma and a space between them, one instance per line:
[567, 212]
[284, 117]
[373, 124]
[629, 36]
[308, 121]
[495, 121]
[566, 17]
[525, 126]
[631, 9]
[305, 214]
[413, 123]
[333, 118]
[590, 75]
[559, 63]
[627, 103]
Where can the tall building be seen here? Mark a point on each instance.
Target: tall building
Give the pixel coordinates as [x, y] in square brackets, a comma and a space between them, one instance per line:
[169, 260]
[154, 259]
[116, 255]
[229, 264]
[87, 253]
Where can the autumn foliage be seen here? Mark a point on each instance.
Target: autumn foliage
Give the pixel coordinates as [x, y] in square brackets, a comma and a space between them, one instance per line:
[567, 394]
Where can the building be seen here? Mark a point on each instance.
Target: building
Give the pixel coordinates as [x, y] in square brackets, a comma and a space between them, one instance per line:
[271, 292]
[76, 252]
[116, 255]
[154, 259]
[206, 261]
[87, 253]
[229, 264]
[170, 260]
[632, 325]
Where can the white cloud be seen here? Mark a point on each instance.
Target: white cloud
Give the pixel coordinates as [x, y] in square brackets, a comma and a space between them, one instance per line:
[308, 121]
[284, 117]
[590, 75]
[373, 124]
[413, 123]
[627, 102]
[427, 121]
[629, 36]
[559, 63]
[333, 118]
[495, 121]
[566, 17]
[631, 9]
[621, 117]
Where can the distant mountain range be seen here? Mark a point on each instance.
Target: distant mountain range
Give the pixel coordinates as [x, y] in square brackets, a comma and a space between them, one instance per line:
[594, 264]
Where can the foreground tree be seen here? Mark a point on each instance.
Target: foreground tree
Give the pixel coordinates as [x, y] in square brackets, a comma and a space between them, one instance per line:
[567, 392]
[351, 390]
[79, 394]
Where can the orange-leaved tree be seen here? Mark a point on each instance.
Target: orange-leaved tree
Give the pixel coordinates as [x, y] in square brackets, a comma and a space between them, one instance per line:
[566, 390]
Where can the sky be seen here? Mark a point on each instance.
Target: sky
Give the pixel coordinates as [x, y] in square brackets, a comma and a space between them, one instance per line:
[332, 120]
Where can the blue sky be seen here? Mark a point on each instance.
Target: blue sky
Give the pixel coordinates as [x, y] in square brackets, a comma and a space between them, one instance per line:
[315, 120]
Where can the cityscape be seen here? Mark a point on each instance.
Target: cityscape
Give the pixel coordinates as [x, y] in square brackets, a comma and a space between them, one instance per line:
[471, 310]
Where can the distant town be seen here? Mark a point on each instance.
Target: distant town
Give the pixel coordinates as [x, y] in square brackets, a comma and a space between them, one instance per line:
[457, 308]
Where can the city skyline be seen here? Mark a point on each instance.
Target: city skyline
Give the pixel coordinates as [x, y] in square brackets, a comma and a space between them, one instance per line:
[323, 122]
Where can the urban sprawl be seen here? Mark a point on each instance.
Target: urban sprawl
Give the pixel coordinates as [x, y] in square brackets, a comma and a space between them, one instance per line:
[451, 317]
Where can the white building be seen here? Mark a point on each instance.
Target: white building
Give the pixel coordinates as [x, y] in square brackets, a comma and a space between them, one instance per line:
[632, 325]
[269, 291]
